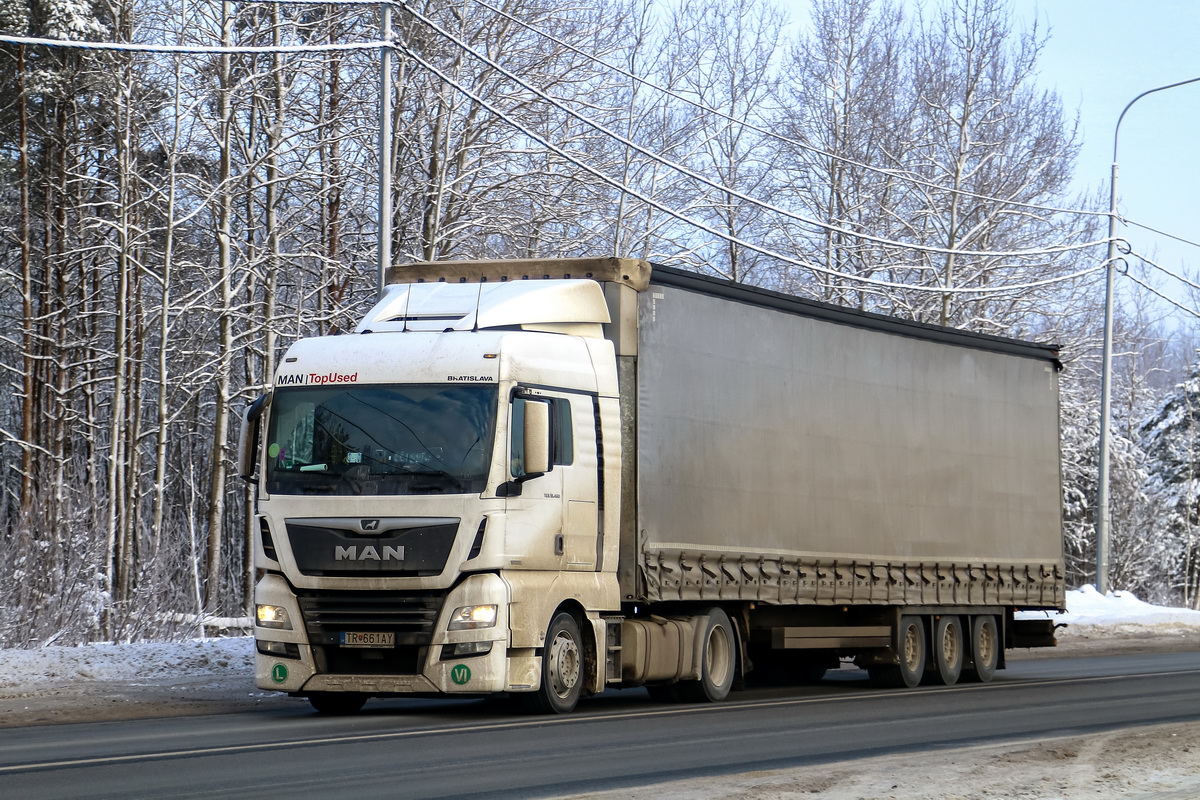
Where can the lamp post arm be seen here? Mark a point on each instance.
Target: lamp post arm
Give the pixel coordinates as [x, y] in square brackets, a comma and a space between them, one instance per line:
[1117, 129]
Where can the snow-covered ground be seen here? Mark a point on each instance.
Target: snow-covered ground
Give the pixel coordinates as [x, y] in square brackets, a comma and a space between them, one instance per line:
[147, 662]
[1089, 614]
[63, 684]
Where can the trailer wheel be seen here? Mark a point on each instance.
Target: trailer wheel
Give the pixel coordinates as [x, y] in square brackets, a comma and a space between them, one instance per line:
[337, 704]
[562, 668]
[718, 661]
[912, 657]
[985, 649]
[947, 651]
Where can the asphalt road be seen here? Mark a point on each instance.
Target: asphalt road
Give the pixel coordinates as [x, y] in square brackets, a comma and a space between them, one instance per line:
[428, 749]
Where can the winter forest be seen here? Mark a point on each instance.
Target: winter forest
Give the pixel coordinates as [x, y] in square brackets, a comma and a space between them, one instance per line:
[174, 213]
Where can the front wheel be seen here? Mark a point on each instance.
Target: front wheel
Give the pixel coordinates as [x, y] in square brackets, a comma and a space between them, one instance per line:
[562, 668]
[718, 661]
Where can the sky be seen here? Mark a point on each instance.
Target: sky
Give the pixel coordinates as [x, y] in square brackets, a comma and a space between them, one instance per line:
[1100, 56]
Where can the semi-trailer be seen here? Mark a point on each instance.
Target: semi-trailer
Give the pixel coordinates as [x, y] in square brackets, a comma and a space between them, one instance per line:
[551, 477]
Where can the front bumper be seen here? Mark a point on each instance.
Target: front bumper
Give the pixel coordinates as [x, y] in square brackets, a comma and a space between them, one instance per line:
[426, 672]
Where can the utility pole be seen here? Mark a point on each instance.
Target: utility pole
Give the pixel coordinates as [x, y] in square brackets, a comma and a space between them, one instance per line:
[1102, 479]
[385, 145]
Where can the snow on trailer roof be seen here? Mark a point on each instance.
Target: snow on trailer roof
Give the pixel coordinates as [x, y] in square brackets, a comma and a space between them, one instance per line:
[639, 275]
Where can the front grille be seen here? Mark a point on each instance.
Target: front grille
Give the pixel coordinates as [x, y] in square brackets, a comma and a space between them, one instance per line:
[410, 615]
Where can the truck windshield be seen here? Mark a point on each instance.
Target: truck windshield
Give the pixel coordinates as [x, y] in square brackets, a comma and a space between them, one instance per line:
[372, 440]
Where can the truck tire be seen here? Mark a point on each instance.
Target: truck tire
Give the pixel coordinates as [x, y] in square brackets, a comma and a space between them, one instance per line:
[337, 704]
[948, 653]
[562, 668]
[911, 668]
[718, 661]
[985, 649]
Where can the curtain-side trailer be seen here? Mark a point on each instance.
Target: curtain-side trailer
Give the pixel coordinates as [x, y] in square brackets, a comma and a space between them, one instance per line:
[551, 477]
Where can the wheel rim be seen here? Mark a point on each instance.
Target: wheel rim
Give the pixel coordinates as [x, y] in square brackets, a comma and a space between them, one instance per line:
[564, 664]
[950, 645]
[912, 649]
[986, 644]
[717, 652]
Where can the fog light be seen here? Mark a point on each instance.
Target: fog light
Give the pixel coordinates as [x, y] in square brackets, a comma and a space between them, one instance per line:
[469, 618]
[279, 649]
[273, 617]
[463, 649]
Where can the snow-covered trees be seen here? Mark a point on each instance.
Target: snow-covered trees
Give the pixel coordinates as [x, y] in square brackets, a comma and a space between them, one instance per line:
[169, 221]
[1171, 438]
[931, 132]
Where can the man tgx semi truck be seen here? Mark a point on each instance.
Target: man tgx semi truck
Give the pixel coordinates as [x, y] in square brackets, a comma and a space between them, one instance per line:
[552, 477]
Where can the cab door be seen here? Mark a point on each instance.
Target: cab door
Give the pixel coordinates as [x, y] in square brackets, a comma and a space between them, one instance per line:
[562, 501]
[576, 428]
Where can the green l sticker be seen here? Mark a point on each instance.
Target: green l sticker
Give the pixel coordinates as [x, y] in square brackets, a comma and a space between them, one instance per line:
[460, 674]
[279, 673]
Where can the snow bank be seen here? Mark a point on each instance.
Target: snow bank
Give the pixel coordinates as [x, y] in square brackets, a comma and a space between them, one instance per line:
[1092, 614]
[127, 662]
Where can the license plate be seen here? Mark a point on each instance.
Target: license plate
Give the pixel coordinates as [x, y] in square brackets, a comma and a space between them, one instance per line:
[368, 639]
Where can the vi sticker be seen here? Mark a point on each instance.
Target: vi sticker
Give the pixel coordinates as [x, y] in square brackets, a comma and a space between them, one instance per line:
[461, 674]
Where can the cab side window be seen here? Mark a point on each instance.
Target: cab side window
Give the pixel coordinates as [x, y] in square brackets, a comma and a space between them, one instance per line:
[562, 441]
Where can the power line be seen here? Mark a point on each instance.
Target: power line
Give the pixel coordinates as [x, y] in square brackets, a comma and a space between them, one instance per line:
[994, 290]
[374, 45]
[726, 189]
[772, 134]
[189, 49]
[1160, 295]
[1168, 271]
[490, 107]
[1161, 233]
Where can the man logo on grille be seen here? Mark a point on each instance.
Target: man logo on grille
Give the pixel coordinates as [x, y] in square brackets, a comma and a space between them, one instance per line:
[369, 524]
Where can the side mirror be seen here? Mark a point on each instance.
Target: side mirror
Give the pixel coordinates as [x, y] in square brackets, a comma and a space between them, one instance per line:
[248, 436]
[537, 437]
[529, 444]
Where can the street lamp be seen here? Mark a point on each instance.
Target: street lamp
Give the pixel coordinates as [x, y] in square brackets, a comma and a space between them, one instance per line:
[1102, 516]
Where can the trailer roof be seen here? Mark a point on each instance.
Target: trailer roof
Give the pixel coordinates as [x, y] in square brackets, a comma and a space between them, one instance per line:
[843, 315]
[638, 274]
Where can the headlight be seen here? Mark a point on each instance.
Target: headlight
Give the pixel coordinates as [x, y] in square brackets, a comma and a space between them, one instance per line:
[273, 617]
[469, 618]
